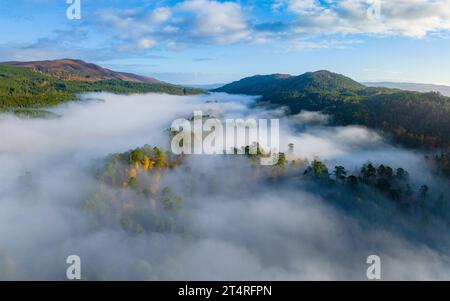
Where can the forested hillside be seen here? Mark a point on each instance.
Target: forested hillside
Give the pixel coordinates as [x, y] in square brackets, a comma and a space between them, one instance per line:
[289, 86]
[414, 119]
[25, 88]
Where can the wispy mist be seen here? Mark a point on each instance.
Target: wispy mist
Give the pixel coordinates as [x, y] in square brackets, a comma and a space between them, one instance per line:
[237, 228]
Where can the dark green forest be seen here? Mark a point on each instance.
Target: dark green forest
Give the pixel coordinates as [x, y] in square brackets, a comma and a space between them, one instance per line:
[418, 120]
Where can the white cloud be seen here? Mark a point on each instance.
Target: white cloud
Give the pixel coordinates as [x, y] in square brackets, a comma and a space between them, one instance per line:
[304, 7]
[146, 43]
[224, 22]
[188, 22]
[161, 14]
[414, 18]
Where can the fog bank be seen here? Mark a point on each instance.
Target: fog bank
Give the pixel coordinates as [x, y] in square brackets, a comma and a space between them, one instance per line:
[238, 228]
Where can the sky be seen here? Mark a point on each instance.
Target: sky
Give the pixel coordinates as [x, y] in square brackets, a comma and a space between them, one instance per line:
[209, 41]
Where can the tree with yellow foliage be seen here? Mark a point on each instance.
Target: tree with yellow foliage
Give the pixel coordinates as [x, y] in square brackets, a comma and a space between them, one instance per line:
[148, 163]
[133, 173]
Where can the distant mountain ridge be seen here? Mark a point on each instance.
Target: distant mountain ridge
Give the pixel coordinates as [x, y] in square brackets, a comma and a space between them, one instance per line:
[205, 86]
[444, 90]
[72, 69]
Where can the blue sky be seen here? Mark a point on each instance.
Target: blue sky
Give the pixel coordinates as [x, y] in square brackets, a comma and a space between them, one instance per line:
[206, 41]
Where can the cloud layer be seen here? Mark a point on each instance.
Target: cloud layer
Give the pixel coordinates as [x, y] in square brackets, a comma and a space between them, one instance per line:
[238, 228]
[194, 22]
[416, 18]
[188, 22]
[108, 32]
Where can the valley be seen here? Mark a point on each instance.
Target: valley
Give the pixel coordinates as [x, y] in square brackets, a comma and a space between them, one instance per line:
[105, 190]
[351, 170]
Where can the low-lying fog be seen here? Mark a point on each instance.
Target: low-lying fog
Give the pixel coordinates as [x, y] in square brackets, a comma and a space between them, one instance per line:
[272, 233]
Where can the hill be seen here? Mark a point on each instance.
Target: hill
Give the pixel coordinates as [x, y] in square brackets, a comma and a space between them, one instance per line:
[275, 84]
[412, 118]
[70, 69]
[255, 85]
[34, 87]
[444, 90]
